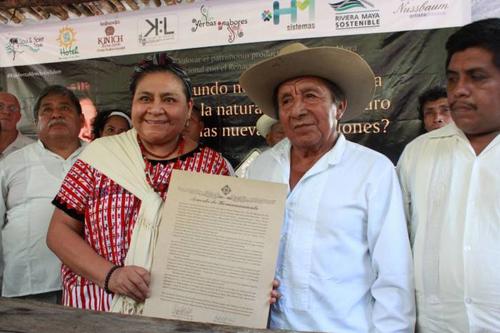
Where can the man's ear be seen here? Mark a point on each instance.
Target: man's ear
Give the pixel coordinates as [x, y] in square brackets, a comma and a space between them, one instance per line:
[341, 107]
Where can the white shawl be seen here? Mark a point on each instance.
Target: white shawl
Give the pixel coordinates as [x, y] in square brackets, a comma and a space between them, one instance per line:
[119, 158]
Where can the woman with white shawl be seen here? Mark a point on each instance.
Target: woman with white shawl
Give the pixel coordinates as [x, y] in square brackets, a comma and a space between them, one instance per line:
[109, 206]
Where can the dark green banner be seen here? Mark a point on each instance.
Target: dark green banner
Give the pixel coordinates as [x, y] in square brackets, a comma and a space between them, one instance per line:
[405, 64]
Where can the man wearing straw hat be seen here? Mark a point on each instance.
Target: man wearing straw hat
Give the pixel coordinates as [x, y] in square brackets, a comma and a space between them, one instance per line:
[344, 262]
[270, 129]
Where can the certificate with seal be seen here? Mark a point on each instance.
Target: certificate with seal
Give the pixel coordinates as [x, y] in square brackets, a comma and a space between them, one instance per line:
[216, 251]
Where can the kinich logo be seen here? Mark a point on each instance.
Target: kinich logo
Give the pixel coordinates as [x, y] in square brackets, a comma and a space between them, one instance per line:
[292, 11]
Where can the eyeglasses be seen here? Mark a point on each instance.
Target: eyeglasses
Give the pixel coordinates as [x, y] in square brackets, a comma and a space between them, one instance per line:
[8, 108]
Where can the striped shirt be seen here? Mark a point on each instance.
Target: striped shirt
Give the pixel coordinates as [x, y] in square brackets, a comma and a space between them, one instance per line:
[108, 212]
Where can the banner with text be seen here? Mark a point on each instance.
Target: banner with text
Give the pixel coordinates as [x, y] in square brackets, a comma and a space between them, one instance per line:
[187, 24]
[388, 123]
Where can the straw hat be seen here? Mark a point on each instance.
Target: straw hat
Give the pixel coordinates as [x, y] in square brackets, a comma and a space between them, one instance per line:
[264, 124]
[344, 68]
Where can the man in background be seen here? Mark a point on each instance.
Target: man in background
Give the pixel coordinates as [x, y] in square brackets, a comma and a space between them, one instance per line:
[433, 108]
[10, 138]
[89, 112]
[10, 114]
[29, 179]
[270, 129]
[194, 128]
[451, 186]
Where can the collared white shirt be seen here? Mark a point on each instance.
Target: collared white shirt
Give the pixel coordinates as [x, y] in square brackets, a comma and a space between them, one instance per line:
[344, 262]
[18, 143]
[29, 180]
[453, 204]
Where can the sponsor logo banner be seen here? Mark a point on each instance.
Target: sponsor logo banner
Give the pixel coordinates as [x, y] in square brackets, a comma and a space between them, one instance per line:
[422, 8]
[157, 30]
[111, 40]
[189, 24]
[68, 47]
[293, 14]
[233, 27]
[355, 14]
[19, 45]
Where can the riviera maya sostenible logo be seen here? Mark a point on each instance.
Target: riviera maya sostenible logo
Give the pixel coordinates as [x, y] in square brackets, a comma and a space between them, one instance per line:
[345, 5]
[355, 14]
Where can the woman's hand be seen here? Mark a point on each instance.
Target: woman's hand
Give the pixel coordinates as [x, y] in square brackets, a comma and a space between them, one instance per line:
[275, 294]
[131, 281]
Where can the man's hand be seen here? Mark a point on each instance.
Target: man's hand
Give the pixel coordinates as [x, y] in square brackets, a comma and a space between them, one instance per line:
[275, 295]
[131, 281]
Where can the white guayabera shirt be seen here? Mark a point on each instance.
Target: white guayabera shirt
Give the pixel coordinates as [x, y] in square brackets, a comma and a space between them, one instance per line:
[453, 204]
[345, 261]
[18, 143]
[29, 180]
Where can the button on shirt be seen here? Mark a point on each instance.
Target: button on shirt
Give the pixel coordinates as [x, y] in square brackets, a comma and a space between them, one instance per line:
[344, 261]
[452, 202]
[29, 180]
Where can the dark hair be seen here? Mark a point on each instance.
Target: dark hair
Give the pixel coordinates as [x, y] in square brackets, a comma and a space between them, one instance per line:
[484, 34]
[101, 119]
[57, 90]
[336, 93]
[429, 95]
[160, 62]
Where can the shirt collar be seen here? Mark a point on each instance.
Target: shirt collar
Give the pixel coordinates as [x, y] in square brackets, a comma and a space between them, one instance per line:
[449, 130]
[76, 152]
[282, 150]
[335, 154]
[452, 130]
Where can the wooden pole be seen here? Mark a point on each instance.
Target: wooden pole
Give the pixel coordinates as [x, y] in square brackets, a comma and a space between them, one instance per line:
[7, 4]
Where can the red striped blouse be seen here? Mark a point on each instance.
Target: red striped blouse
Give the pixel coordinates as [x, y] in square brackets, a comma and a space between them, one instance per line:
[109, 212]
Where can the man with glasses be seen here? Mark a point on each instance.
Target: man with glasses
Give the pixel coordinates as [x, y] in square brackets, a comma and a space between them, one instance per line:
[10, 114]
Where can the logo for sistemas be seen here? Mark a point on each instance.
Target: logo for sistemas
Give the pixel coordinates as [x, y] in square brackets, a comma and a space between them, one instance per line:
[17, 45]
[281, 10]
[157, 30]
[233, 26]
[355, 14]
[67, 43]
[419, 8]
